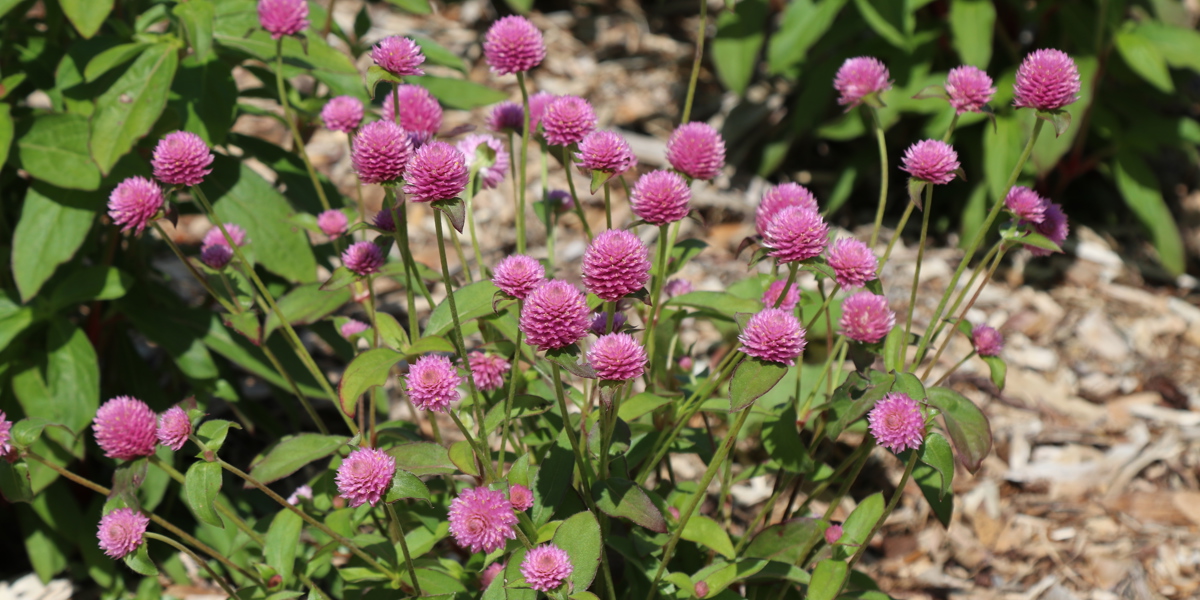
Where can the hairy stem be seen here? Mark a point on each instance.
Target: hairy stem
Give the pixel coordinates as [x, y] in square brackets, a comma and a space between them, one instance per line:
[883, 175]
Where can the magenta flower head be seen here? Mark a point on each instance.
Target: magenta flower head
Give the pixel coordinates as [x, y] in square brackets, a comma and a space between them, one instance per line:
[931, 161]
[696, 150]
[860, 79]
[555, 315]
[363, 258]
[896, 423]
[134, 204]
[332, 222]
[701, 588]
[283, 17]
[438, 171]
[432, 383]
[365, 476]
[521, 497]
[215, 237]
[342, 113]
[833, 533]
[866, 317]
[181, 158]
[482, 520]
[615, 264]
[773, 335]
[1046, 80]
[121, 532]
[1054, 226]
[513, 45]
[605, 151]
[353, 327]
[617, 357]
[988, 341]
[538, 103]
[560, 200]
[174, 427]
[1026, 204]
[796, 234]
[599, 324]
[488, 370]
[771, 296]
[677, 287]
[5, 435]
[420, 113]
[969, 88]
[216, 256]
[384, 220]
[507, 116]
[853, 263]
[493, 174]
[517, 275]
[380, 152]
[567, 120]
[399, 56]
[125, 428]
[660, 197]
[779, 198]
[546, 567]
[489, 574]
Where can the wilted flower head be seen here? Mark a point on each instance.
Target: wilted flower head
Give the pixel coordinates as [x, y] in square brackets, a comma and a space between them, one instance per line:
[605, 151]
[696, 150]
[332, 222]
[1046, 80]
[420, 113]
[438, 171]
[853, 263]
[134, 204]
[342, 113]
[896, 423]
[517, 275]
[617, 357]
[546, 567]
[513, 45]
[555, 315]
[482, 520]
[771, 296]
[5, 435]
[121, 532]
[174, 427]
[216, 256]
[491, 175]
[303, 492]
[521, 497]
[399, 56]
[796, 234]
[537, 107]
[567, 120]
[215, 237]
[969, 88]
[988, 341]
[365, 476]
[125, 428]
[866, 317]
[774, 335]
[859, 77]
[433, 383]
[380, 152]
[932, 161]
[615, 264]
[489, 574]
[363, 258]
[1054, 226]
[599, 324]
[677, 287]
[283, 17]
[353, 327]
[779, 198]
[660, 197]
[1026, 204]
[506, 116]
[181, 158]
[488, 370]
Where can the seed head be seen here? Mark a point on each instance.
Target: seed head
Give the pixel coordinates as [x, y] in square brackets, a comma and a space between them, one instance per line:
[988, 341]
[1026, 204]
[420, 113]
[121, 532]
[488, 370]
[617, 357]
[507, 116]
[1054, 226]
[779, 198]
[866, 317]
[283, 17]
[517, 275]
[567, 120]
[363, 258]
[546, 567]
[605, 151]
[1046, 80]
[342, 113]
[932, 161]
[796, 234]
[333, 223]
[771, 296]
[380, 152]
[774, 335]
[174, 427]
[615, 264]
[859, 77]
[853, 263]
[969, 88]
[491, 175]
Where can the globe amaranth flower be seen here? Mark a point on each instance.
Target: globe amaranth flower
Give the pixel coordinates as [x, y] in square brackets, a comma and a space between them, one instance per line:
[546, 567]
[774, 335]
[507, 116]
[420, 112]
[866, 317]
[660, 197]
[567, 120]
[617, 357]
[833, 533]
[491, 175]
[605, 151]
[125, 428]
[488, 370]
[555, 315]
[135, 203]
[513, 45]
[216, 256]
[332, 222]
[1026, 204]
[615, 265]
[1046, 80]
[342, 113]
[969, 88]
[701, 588]
[796, 234]
[380, 152]
[215, 237]
[181, 158]
[521, 497]
[779, 198]
[517, 275]
[283, 17]
[365, 476]
[852, 262]
[771, 296]
[303, 492]
[353, 327]
[896, 423]
[932, 161]
[987, 341]
[438, 171]
[860, 77]
[1054, 227]
[399, 56]
[599, 324]
[121, 532]
[696, 150]
[489, 574]
[432, 383]
[384, 221]
[538, 103]
[5, 435]
[174, 427]
[363, 258]
[482, 520]
[677, 287]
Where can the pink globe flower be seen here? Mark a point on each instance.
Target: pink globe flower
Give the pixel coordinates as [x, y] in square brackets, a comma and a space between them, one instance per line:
[931, 161]
[384, 221]
[5, 435]
[135, 203]
[216, 256]
[605, 151]
[617, 357]
[866, 317]
[482, 520]
[1054, 226]
[615, 265]
[215, 237]
[299, 494]
[507, 116]
[771, 296]
[174, 427]
[833, 533]
[380, 152]
[779, 198]
[521, 497]
[438, 171]
[181, 158]
[342, 113]
[1046, 80]
[701, 588]
[353, 327]
[696, 150]
[554, 316]
[853, 263]
[121, 532]
[546, 567]
[660, 197]
[1026, 204]
[538, 103]
[677, 287]
[896, 423]
[491, 175]
[969, 88]
[365, 476]
[283, 17]
[517, 275]
[125, 428]
[860, 77]
[796, 234]
[988, 341]
[567, 120]
[432, 383]
[488, 370]
[513, 45]
[774, 335]
[399, 56]
[420, 113]
[489, 574]
[333, 223]
[363, 258]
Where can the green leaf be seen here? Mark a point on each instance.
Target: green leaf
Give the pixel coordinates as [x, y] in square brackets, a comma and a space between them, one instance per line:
[998, 369]
[787, 542]
[463, 457]
[212, 433]
[862, 520]
[205, 97]
[937, 454]
[893, 349]
[708, 533]
[580, 537]
[306, 305]
[54, 149]
[376, 75]
[966, 424]
[473, 301]
[553, 478]
[1037, 240]
[1179, 46]
[86, 15]
[971, 26]
[929, 480]
[459, 93]
[752, 378]
[719, 304]
[201, 486]
[140, 561]
[283, 540]
[885, 17]
[719, 576]
[292, 453]
[1050, 149]
[738, 41]
[849, 408]
[406, 485]
[416, 7]
[1144, 58]
[111, 59]
[422, 458]
[1001, 149]
[573, 360]
[624, 499]
[390, 331]
[783, 443]
[73, 375]
[340, 278]
[437, 54]
[367, 370]
[641, 404]
[523, 405]
[910, 384]
[1142, 193]
[14, 481]
[53, 225]
[519, 6]
[455, 211]
[129, 107]
[90, 283]
[803, 25]
[827, 579]
[6, 128]
[197, 19]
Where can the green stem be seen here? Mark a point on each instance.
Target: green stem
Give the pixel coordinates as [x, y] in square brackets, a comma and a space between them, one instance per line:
[400, 220]
[912, 299]
[585, 468]
[701, 33]
[184, 549]
[821, 309]
[953, 369]
[656, 290]
[524, 162]
[607, 207]
[474, 240]
[371, 310]
[883, 176]
[999, 250]
[950, 129]
[908, 469]
[291, 121]
[412, 570]
[896, 236]
[479, 451]
[192, 269]
[512, 392]
[578, 206]
[295, 388]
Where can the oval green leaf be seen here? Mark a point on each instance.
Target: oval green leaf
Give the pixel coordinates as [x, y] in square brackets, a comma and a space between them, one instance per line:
[201, 486]
[292, 453]
[967, 425]
[580, 537]
[367, 370]
[752, 378]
